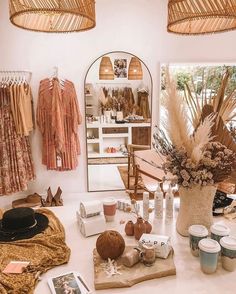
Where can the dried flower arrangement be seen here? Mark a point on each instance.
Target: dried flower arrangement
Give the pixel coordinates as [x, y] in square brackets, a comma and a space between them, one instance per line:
[200, 150]
[105, 101]
[119, 100]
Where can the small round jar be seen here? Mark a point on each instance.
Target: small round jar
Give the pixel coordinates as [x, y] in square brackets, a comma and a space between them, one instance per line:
[218, 231]
[209, 253]
[228, 253]
[196, 234]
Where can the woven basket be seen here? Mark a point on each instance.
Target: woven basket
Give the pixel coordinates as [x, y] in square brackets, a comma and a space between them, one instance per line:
[195, 208]
[201, 16]
[53, 16]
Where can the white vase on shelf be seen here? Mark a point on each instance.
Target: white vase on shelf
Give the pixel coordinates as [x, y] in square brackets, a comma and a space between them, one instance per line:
[107, 115]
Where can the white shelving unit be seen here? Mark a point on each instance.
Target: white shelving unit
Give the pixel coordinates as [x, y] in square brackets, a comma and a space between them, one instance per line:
[97, 147]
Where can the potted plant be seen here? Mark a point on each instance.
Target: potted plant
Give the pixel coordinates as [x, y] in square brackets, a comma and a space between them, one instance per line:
[200, 153]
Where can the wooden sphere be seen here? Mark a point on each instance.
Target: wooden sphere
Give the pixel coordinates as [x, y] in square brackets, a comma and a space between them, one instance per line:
[110, 244]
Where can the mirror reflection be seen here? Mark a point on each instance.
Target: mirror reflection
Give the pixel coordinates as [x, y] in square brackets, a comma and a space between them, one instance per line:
[118, 106]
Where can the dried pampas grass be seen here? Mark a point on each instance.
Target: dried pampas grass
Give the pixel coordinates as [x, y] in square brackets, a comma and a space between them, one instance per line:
[201, 137]
[175, 122]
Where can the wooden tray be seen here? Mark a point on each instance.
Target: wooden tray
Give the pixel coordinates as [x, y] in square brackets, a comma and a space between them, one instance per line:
[131, 276]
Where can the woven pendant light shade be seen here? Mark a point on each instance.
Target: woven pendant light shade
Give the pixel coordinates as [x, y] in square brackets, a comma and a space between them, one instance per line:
[135, 71]
[53, 16]
[106, 71]
[201, 16]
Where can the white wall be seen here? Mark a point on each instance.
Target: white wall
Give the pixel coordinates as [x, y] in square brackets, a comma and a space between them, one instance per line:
[136, 26]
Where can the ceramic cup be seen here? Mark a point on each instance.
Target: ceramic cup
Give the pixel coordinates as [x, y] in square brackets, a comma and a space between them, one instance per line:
[218, 231]
[109, 208]
[209, 253]
[196, 234]
[228, 253]
[148, 254]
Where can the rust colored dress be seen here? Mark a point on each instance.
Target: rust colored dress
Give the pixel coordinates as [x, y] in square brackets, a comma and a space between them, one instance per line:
[58, 117]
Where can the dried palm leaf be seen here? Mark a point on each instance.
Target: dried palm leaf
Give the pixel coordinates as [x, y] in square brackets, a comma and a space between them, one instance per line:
[220, 131]
[223, 105]
[219, 98]
[193, 104]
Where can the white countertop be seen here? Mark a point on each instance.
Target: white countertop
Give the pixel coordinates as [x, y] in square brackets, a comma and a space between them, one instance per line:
[189, 278]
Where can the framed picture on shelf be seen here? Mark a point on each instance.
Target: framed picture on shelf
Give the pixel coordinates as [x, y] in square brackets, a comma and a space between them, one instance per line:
[120, 68]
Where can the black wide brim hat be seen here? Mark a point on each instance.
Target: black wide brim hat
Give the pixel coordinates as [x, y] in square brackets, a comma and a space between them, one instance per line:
[41, 223]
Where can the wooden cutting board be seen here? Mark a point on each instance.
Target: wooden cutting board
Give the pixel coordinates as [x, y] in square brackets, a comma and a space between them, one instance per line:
[131, 276]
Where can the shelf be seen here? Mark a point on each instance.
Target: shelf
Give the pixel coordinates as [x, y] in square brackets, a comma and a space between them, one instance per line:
[89, 107]
[89, 95]
[93, 141]
[94, 154]
[114, 125]
[105, 155]
[126, 135]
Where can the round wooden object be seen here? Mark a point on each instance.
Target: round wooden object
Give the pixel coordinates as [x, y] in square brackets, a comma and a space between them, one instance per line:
[110, 244]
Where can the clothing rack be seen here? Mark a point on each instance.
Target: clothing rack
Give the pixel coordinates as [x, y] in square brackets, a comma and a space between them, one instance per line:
[16, 74]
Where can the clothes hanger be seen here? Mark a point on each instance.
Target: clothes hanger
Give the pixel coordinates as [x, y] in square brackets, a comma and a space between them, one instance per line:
[55, 75]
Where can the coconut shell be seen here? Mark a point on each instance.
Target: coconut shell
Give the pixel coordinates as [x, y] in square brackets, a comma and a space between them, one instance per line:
[110, 244]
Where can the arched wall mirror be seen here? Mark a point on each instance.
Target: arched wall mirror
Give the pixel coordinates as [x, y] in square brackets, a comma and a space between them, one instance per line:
[118, 110]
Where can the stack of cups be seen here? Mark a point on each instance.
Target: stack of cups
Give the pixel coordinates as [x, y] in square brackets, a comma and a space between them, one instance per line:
[109, 208]
[218, 231]
[228, 253]
[209, 253]
[196, 234]
[210, 249]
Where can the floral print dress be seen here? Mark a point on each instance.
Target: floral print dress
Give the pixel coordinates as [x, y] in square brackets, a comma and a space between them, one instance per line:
[16, 164]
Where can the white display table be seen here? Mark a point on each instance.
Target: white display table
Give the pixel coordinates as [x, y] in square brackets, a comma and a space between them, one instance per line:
[189, 278]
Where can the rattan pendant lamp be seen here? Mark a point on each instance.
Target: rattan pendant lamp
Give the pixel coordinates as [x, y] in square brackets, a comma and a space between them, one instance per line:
[53, 16]
[192, 17]
[135, 71]
[106, 71]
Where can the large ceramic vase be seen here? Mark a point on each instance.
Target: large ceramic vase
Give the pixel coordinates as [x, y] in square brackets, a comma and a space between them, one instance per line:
[195, 208]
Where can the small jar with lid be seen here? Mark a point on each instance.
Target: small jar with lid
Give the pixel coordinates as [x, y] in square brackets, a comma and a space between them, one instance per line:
[228, 253]
[196, 234]
[218, 231]
[209, 253]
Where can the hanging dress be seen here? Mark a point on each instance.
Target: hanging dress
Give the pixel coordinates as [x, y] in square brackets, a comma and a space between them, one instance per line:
[58, 117]
[16, 164]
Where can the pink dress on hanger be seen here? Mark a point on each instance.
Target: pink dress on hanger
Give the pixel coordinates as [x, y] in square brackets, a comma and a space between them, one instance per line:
[58, 117]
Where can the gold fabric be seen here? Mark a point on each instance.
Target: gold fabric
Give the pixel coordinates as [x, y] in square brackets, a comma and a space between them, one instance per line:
[21, 107]
[44, 251]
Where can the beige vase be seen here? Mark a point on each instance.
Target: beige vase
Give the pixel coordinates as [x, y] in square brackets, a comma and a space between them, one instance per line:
[195, 208]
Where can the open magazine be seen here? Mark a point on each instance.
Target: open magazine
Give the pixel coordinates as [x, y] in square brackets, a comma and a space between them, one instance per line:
[68, 283]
